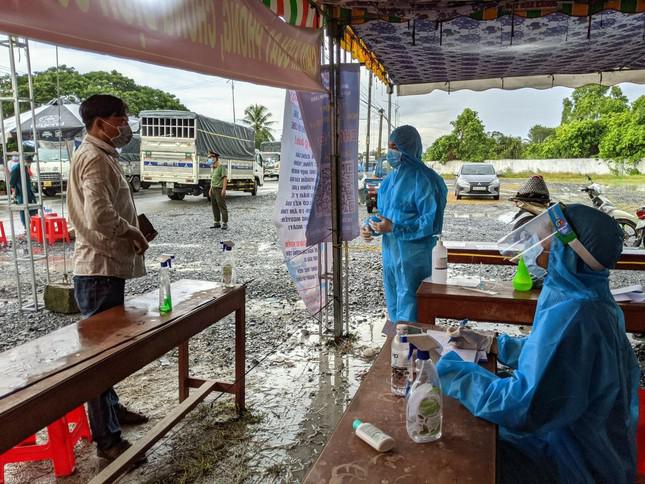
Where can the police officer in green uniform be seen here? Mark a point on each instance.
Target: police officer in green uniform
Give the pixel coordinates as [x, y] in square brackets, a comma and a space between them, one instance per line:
[218, 191]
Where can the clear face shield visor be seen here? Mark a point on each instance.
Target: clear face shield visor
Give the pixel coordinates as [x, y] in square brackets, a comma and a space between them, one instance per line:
[530, 238]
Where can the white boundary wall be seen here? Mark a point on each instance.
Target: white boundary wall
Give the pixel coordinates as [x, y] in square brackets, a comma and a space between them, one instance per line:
[582, 166]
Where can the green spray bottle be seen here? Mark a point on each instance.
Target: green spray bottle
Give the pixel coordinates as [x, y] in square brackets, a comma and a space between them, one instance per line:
[522, 281]
[165, 298]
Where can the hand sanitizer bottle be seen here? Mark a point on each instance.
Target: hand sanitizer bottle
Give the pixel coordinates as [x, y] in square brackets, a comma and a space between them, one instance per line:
[228, 263]
[439, 263]
[400, 361]
[424, 411]
[165, 298]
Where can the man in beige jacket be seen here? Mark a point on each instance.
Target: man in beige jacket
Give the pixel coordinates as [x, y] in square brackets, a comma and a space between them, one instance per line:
[109, 245]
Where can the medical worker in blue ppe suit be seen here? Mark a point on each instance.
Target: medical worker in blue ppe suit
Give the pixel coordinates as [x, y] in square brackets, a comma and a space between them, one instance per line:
[411, 202]
[569, 412]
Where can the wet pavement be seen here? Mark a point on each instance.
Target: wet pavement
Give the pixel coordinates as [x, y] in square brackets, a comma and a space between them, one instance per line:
[298, 385]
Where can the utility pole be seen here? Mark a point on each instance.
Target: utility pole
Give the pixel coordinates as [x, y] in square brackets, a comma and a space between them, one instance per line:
[380, 131]
[389, 112]
[233, 94]
[369, 122]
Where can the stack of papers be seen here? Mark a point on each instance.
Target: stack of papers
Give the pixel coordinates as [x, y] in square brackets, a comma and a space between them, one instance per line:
[459, 281]
[442, 337]
[629, 294]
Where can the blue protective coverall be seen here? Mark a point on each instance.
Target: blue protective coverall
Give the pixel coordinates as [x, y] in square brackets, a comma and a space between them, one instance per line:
[570, 410]
[16, 183]
[413, 197]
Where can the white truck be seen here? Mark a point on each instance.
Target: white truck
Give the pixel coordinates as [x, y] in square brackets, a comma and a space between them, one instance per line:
[270, 151]
[174, 152]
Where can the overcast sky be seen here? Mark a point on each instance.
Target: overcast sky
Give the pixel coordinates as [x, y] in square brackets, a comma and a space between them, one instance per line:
[511, 112]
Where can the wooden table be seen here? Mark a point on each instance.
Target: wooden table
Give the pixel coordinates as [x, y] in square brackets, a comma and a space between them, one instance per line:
[42, 380]
[488, 253]
[465, 452]
[507, 306]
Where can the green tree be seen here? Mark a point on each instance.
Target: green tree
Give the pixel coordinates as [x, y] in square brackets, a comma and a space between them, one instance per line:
[468, 141]
[445, 148]
[258, 117]
[593, 102]
[624, 139]
[577, 139]
[538, 133]
[505, 147]
[74, 84]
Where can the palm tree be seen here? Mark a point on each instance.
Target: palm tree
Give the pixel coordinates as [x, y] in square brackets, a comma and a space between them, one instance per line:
[258, 117]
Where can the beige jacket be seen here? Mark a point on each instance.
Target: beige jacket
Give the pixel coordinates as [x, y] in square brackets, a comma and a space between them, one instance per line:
[101, 209]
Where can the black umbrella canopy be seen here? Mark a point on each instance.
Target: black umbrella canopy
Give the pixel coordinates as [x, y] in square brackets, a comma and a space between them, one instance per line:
[53, 121]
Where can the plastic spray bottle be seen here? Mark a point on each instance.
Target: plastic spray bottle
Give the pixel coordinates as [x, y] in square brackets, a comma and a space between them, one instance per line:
[165, 298]
[228, 263]
[400, 361]
[522, 279]
[439, 263]
[424, 412]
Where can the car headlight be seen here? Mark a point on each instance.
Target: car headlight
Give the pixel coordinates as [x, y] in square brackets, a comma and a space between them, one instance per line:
[494, 183]
[463, 184]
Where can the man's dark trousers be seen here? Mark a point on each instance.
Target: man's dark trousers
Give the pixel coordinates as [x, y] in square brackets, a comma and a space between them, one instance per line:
[95, 294]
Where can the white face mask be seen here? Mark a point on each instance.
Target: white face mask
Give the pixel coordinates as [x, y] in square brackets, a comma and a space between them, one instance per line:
[124, 136]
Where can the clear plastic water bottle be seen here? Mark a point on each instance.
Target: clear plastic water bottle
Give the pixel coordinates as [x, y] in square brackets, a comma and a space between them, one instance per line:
[400, 361]
[424, 411]
[228, 263]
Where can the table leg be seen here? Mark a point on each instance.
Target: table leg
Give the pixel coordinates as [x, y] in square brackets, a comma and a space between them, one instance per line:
[240, 357]
[183, 371]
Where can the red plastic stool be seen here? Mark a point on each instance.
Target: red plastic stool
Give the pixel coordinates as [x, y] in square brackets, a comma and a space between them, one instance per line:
[36, 229]
[62, 436]
[56, 229]
[3, 236]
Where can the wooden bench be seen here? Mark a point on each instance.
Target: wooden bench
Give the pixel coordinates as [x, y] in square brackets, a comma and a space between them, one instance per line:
[488, 253]
[42, 380]
[507, 306]
[465, 452]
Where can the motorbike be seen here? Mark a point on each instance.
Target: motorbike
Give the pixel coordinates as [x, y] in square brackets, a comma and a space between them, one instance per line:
[375, 173]
[633, 226]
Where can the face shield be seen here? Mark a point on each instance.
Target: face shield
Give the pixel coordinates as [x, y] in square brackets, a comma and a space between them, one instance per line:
[528, 240]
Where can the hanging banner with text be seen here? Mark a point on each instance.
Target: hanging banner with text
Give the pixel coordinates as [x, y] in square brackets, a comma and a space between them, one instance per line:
[293, 206]
[315, 114]
[237, 39]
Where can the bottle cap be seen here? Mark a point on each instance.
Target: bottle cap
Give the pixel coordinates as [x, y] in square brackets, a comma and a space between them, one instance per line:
[357, 423]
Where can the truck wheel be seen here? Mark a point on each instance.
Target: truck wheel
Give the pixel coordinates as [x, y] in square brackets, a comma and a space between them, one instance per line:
[254, 191]
[177, 196]
[145, 185]
[135, 184]
[370, 207]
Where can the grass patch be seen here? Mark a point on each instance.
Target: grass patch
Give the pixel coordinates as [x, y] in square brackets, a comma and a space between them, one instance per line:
[578, 178]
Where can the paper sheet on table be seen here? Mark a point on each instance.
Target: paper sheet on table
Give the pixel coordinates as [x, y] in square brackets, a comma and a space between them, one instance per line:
[629, 294]
[442, 338]
[458, 281]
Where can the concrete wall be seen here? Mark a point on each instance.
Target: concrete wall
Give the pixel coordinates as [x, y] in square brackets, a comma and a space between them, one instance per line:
[582, 166]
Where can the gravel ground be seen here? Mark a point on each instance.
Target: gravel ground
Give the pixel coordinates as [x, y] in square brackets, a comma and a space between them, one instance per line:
[299, 386]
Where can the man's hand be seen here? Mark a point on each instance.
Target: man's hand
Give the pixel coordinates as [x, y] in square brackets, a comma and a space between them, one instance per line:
[223, 192]
[382, 227]
[366, 234]
[137, 239]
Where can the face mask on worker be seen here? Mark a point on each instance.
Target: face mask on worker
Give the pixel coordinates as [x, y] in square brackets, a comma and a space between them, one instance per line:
[394, 158]
[210, 161]
[14, 158]
[527, 241]
[124, 136]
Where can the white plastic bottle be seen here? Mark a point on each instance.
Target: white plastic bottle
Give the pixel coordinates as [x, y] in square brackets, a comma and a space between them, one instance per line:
[439, 263]
[399, 361]
[228, 263]
[424, 411]
[374, 436]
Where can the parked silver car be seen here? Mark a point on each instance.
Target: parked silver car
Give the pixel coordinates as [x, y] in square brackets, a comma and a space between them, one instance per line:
[477, 180]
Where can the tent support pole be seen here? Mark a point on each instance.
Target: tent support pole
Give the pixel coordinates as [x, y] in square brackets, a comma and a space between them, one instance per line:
[337, 248]
[369, 121]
